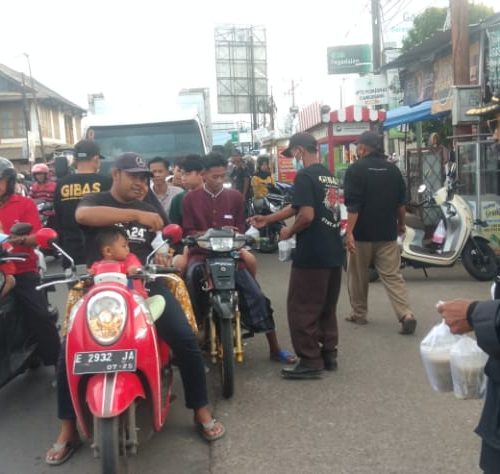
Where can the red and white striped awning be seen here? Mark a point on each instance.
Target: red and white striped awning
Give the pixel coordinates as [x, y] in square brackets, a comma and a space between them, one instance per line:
[354, 113]
[309, 117]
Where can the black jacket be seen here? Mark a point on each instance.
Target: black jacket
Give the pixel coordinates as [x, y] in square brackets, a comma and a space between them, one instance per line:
[485, 320]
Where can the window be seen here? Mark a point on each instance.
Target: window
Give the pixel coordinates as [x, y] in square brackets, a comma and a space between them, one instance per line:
[11, 122]
[45, 121]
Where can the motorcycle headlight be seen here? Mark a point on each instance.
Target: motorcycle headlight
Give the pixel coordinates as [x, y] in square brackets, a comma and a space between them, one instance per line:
[221, 244]
[106, 316]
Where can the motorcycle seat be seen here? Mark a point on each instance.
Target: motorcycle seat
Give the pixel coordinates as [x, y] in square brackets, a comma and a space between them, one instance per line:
[156, 306]
[414, 222]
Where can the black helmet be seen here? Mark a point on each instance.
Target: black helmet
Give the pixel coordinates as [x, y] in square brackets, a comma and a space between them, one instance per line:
[8, 172]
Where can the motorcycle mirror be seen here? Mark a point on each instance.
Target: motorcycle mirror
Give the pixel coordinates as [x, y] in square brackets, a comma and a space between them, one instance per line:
[173, 232]
[21, 228]
[45, 237]
[422, 188]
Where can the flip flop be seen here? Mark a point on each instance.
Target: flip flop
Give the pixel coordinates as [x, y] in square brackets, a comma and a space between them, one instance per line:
[284, 357]
[70, 446]
[205, 428]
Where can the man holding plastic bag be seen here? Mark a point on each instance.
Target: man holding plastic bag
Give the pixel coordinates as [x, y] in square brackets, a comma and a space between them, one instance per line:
[483, 318]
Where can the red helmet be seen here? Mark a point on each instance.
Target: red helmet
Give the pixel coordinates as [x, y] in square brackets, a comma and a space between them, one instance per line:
[40, 168]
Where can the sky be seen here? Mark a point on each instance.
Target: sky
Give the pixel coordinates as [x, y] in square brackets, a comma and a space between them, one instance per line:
[141, 53]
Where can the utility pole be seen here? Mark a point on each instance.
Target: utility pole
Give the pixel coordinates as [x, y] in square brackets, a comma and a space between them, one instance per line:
[376, 47]
[460, 50]
[35, 102]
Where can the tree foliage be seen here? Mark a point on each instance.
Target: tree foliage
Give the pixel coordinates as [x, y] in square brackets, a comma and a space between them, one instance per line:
[432, 19]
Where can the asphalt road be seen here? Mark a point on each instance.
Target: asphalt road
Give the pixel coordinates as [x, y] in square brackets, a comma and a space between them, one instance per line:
[376, 414]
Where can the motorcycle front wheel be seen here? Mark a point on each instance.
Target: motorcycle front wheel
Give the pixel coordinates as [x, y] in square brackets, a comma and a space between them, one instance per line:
[479, 260]
[227, 363]
[109, 445]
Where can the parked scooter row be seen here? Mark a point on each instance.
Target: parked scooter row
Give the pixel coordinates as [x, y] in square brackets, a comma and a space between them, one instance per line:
[458, 240]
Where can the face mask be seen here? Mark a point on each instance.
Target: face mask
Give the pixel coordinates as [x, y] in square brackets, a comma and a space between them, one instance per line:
[297, 162]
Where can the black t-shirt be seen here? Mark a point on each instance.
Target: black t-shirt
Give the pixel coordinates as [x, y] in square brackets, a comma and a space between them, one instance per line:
[140, 237]
[69, 191]
[375, 189]
[319, 245]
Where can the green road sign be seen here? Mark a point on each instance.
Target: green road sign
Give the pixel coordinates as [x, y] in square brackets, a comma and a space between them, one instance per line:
[351, 59]
[235, 137]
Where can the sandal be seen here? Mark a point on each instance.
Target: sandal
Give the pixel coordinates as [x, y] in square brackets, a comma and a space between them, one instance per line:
[212, 430]
[284, 357]
[357, 320]
[57, 448]
[408, 325]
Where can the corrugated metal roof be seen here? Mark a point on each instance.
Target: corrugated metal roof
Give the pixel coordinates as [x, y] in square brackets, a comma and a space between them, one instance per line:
[42, 92]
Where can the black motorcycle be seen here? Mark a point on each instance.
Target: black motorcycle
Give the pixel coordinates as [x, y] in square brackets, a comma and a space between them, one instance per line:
[220, 322]
[279, 196]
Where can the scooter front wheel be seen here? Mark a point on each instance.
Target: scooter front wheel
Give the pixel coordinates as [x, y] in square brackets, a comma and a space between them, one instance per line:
[109, 445]
[227, 363]
[479, 260]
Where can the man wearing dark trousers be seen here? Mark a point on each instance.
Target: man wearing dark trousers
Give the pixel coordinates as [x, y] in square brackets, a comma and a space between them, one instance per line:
[315, 277]
[375, 195]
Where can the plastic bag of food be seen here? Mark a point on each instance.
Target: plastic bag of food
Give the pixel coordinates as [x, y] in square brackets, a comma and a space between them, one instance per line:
[435, 352]
[467, 361]
[284, 250]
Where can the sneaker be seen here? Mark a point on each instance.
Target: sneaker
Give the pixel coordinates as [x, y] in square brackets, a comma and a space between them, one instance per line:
[299, 371]
[330, 361]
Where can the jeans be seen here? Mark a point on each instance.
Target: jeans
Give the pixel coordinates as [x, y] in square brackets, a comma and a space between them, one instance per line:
[173, 328]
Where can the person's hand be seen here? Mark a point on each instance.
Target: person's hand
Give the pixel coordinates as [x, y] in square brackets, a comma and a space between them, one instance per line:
[132, 270]
[258, 221]
[350, 243]
[230, 227]
[454, 314]
[17, 239]
[151, 220]
[285, 233]
[401, 229]
[163, 260]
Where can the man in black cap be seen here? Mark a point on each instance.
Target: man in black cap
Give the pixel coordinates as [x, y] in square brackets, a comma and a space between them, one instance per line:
[375, 194]
[70, 190]
[123, 205]
[316, 272]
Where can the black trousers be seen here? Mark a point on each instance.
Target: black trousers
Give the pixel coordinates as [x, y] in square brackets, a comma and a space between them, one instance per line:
[312, 312]
[489, 461]
[35, 311]
[172, 327]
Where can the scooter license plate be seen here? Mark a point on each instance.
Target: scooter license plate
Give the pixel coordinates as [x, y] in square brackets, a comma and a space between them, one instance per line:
[105, 361]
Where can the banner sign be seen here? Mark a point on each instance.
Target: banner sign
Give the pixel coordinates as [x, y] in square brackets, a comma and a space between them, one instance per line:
[371, 90]
[493, 60]
[286, 169]
[351, 59]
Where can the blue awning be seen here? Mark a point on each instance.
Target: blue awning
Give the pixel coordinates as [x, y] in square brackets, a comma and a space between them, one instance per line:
[407, 114]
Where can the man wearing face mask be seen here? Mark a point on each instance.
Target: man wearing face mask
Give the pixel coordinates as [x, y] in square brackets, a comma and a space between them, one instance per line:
[375, 195]
[316, 272]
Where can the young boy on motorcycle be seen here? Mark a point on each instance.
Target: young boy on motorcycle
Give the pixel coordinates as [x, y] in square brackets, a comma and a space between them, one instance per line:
[213, 206]
[123, 205]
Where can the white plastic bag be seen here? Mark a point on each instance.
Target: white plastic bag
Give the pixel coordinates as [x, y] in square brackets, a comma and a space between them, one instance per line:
[284, 250]
[157, 241]
[467, 361]
[255, 234]
[439, 233]
[435, 352]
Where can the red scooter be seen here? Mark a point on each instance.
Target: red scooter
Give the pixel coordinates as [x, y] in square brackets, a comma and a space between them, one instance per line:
[114, 357]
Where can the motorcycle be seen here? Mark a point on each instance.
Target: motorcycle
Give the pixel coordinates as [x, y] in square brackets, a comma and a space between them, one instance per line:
[279, 196]
[459, 239]
[117, 366]
[223, 321]
[17, 350]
